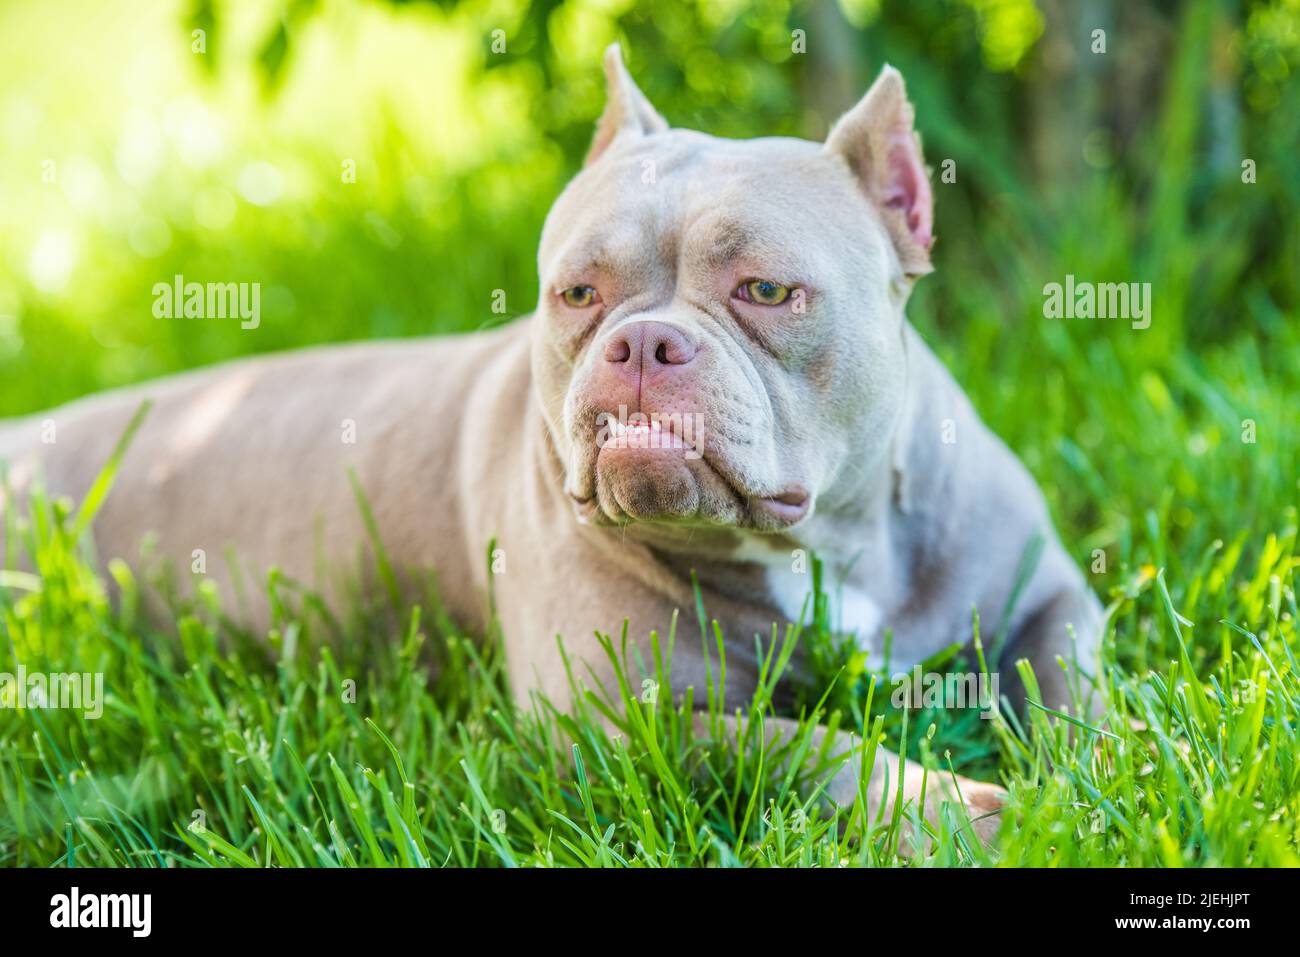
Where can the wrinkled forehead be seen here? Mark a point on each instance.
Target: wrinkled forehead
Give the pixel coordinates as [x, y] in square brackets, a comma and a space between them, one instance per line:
[719, 203]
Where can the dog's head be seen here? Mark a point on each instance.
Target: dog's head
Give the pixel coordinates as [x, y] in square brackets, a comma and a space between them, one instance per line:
[719, 333]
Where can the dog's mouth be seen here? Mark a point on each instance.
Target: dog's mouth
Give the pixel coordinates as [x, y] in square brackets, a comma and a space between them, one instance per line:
[649, 471]
[652, 434]
[770, 512]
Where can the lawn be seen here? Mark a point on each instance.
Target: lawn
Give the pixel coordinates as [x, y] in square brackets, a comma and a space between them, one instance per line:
[1170, 455]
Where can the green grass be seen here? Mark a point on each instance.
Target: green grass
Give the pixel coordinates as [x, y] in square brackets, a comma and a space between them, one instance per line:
[391, 738]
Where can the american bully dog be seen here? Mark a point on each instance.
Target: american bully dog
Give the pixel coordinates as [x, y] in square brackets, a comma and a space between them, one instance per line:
[718, 378]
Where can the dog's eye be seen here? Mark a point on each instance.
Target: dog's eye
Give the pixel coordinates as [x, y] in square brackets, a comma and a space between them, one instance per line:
[579, 297]
[763, 292]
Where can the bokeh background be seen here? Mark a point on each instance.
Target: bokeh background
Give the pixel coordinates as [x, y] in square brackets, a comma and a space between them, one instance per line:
[131, 155]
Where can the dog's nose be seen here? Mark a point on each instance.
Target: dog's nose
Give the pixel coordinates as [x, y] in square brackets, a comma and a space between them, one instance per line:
[643, 348]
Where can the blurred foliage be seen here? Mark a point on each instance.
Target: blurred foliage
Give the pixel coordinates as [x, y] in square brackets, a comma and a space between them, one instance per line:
[213, 139]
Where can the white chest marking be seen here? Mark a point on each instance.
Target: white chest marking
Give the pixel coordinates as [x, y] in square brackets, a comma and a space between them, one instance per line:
[858, 613]
[852, 609]
[792, 591]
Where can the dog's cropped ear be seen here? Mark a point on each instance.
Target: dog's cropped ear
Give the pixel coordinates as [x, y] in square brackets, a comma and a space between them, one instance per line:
[882, 148]
[627, 111]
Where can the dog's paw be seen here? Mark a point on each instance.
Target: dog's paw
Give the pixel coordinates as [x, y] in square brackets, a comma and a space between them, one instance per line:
[984, 803]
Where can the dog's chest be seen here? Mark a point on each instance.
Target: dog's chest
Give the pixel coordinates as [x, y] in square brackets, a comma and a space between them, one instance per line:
[790, 583]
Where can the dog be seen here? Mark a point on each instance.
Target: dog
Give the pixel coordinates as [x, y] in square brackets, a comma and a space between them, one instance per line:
[718, 381]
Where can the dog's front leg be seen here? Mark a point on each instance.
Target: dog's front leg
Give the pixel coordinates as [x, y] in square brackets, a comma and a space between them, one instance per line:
[1059, 640]
[834, 763]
